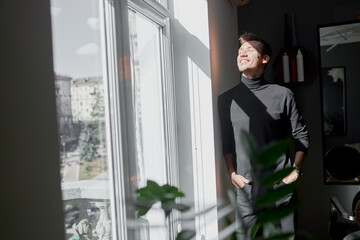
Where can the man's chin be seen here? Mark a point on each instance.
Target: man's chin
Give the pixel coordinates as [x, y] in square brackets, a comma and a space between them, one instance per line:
[242, 69]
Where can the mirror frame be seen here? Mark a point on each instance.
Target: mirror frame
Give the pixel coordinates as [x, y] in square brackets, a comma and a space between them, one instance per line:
[329, 141]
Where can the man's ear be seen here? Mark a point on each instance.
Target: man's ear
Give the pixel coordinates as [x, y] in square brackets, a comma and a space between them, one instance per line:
[266, 59]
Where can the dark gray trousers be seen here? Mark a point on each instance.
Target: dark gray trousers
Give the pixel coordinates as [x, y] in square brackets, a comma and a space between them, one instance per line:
[246, 216]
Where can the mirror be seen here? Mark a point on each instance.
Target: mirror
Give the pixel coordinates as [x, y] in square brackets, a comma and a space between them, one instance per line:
[333, 99]
[339, 46]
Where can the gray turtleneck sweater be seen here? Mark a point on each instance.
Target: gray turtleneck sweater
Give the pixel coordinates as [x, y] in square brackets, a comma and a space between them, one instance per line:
[268, 112]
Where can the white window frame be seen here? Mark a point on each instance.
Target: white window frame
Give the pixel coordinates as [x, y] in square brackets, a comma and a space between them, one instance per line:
[161, 16]
[123, 129]
[120, 102]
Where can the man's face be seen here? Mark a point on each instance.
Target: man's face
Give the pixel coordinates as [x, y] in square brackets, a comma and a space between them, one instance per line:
[250, 62]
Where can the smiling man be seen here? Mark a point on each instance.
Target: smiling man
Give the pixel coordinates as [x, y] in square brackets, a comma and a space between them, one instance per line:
[269, 113]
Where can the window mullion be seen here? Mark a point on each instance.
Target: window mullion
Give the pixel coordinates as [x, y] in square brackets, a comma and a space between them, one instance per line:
[112, 105]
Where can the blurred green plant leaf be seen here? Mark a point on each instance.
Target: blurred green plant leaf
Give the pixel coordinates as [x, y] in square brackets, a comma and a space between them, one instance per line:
[169, 206]
[269, 213]
[149, 193]
[143, 207]
[249, 145]
[271, 154]
[153, 193]
[276, 214]
[270, 197]
[254, 231]
[154, 190]
[170, 193]
[281, 236]
[276, 177]
[186, 235]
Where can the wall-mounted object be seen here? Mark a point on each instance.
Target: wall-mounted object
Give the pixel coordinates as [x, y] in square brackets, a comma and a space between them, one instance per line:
[293, 65]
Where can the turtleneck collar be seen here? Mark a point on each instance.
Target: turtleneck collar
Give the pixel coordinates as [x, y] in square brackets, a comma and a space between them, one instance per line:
[254, 83]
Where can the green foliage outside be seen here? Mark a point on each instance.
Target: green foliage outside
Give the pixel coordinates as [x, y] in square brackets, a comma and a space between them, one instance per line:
[89, 170]
[97, 114]
[88, 143]
[92, 133]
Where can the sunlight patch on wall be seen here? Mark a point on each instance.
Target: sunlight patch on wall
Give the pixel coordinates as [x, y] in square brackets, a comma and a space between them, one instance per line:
[194, 19]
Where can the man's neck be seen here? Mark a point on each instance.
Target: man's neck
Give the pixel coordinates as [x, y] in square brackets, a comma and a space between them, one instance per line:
[251, 76]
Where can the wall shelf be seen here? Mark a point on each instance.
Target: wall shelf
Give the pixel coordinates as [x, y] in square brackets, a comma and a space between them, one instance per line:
[308, 64]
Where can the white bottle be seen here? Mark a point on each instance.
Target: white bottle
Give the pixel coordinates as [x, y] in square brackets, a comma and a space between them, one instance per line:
[286, 69]
[300, 66]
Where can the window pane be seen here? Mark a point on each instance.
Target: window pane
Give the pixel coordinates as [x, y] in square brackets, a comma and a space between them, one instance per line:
[146, 67]
[79, 81]
[148, 101]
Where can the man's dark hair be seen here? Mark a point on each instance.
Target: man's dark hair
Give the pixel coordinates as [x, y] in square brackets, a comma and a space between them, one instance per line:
[266, 49]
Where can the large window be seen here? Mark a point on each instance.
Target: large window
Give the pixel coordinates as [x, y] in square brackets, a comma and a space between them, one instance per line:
[91, 112]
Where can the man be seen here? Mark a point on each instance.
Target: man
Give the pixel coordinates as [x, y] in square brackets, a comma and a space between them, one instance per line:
[269, 113]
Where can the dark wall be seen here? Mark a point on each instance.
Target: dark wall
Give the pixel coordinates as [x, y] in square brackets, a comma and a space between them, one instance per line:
[266, 18]
[31, 204]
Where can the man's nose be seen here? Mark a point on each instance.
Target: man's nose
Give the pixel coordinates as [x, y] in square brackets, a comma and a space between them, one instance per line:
[243, 53]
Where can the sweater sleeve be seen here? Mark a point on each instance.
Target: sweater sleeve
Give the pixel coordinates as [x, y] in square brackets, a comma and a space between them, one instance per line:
[298, 126]
[227, 134]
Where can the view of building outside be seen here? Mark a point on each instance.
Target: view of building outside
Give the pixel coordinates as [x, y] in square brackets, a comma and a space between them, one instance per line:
[81, 126]
[79, 85]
